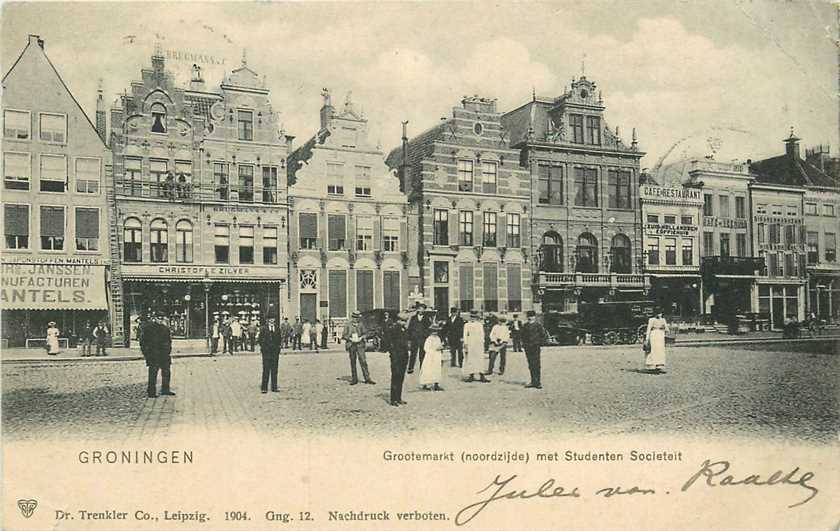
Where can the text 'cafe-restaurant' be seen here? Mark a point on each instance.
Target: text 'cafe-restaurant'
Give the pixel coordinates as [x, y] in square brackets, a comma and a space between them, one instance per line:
[70, 292]
[190, 296]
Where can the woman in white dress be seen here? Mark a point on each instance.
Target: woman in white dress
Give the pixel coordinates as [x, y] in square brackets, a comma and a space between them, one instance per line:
[474, 349]
[304, 334]
[430, 371]
[52, 339]
[656, 329]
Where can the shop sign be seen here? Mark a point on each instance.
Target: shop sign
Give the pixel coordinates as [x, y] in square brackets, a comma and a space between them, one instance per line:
[778, 219]
[725, 223]
[677, 194]
[60, 260]
[247, 209]
[52, 287]
[670, 230]
[792, 247]
[200, 271]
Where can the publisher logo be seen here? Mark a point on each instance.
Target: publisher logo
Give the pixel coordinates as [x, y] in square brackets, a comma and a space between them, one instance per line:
[27, 507]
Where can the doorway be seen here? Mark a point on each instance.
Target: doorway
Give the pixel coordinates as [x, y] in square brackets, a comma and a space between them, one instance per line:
[308, 306]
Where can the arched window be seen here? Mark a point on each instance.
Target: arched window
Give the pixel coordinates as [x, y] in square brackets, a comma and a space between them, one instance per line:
[132, 240]
[587, 254]
[552, 253]
[158, 118]
[160, 241]
[620, 254]
[183, 241]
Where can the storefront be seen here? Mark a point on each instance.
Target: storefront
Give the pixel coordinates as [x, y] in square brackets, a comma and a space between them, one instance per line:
[781, 302]
[189, 302]
[824, 296]
[71, 293]
[679, 295]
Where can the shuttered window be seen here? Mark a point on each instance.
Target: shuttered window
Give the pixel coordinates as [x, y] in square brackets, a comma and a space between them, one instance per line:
[87, 175]
[465, 283]
[337, 232]
[16, 226]
[87, 229]
[364, 290]
[53, 173]
[391, 290]
[338, 293]
[52, 228]
[491, 288]
[308, 225]
[514, 287]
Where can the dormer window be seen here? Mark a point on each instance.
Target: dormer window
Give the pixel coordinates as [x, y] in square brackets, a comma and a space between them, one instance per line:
[158, 118]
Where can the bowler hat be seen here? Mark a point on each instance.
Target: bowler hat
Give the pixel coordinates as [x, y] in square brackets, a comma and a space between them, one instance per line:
[453, 310]
[531, 313]
[51, 323]
[355, 315]
[474, 313]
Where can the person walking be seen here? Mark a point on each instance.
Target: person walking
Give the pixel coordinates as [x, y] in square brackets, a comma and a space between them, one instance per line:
[499, 337]
[86, 337]
[455, 338]
[235, 335]
[53, 333]
[297, 330]
[100, 334]
[516, 332]
[474, 349]
[533, 338]
[655, 343]
[271, 342]
[430, 370]
[397, 340]
[315, 335]
[156, 346]
[355, 344]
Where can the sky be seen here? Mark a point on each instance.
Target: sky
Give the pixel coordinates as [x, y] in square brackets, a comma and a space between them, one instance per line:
[694, 78]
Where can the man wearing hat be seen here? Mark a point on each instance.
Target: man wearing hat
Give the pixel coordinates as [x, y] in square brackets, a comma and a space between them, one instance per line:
[396, 337]
[156, 346]
[418, 330]
[270, 343]
[215, 334]
[354, 339]
[499, 337]
[516, 332]
[533, 337]
[474, 349]
[455, 337]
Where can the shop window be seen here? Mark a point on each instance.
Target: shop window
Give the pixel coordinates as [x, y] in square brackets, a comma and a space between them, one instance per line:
[53, 173]
[488, 233]
[245, 124]
[335, 179]
[830, 247]
[489, 172]
[440, 228]
[687, 252]
[16, 226]
[16, 171]
[337, 232]
[587, 254]
[391, 235]
[465, 176]
[16, 124]
[221, 180]
[87, 229]
[362, 181]
[620, 254]
[158, 118]
[653, 251]
[513, 230]
[246, 244]
[52, 228]
[53, 128]
[618, 182]
[221, 244]
[550, 184]
[184, 242]
[88, 175]
[132, 240]
[551, 253]
[586, 187]
[246, 183]
[269, 245]
[269, 184]
[364, 233]
[159, 233]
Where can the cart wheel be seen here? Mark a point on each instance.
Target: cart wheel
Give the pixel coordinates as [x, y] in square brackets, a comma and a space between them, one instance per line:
[641, 332]
[625, 337]
[611, 337]
[597, 339]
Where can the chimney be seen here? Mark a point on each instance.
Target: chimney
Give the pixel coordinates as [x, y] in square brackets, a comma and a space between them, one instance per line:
[36, 39]
[327, 110]
[101, 126]
[157, 58]
[403, 169]
[792, 145]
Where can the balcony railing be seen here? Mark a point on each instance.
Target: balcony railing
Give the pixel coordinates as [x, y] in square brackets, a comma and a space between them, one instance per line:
[188, 192]
[733, 265]
[591, 280]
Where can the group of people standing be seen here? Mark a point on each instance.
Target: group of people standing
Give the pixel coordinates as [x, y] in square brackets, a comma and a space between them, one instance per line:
[230, 335]
[89, 336]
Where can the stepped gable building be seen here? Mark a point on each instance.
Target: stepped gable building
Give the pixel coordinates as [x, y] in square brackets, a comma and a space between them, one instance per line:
[586, 226]
[201, 211]
[348, 222]
[471, 205]
[795, 222]
[56, 175]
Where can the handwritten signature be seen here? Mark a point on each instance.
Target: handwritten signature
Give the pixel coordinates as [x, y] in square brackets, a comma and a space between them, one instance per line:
[715, 474]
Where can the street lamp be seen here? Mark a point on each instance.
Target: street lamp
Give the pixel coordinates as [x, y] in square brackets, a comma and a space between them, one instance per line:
[207, 283]
[187, 299]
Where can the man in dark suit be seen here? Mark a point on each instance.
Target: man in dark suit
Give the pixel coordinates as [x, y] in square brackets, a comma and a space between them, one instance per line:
[397, 340]
[156, 345]
[417, 332]
[516, 333]
[455, 337]
[270, 343]
[533, 338]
